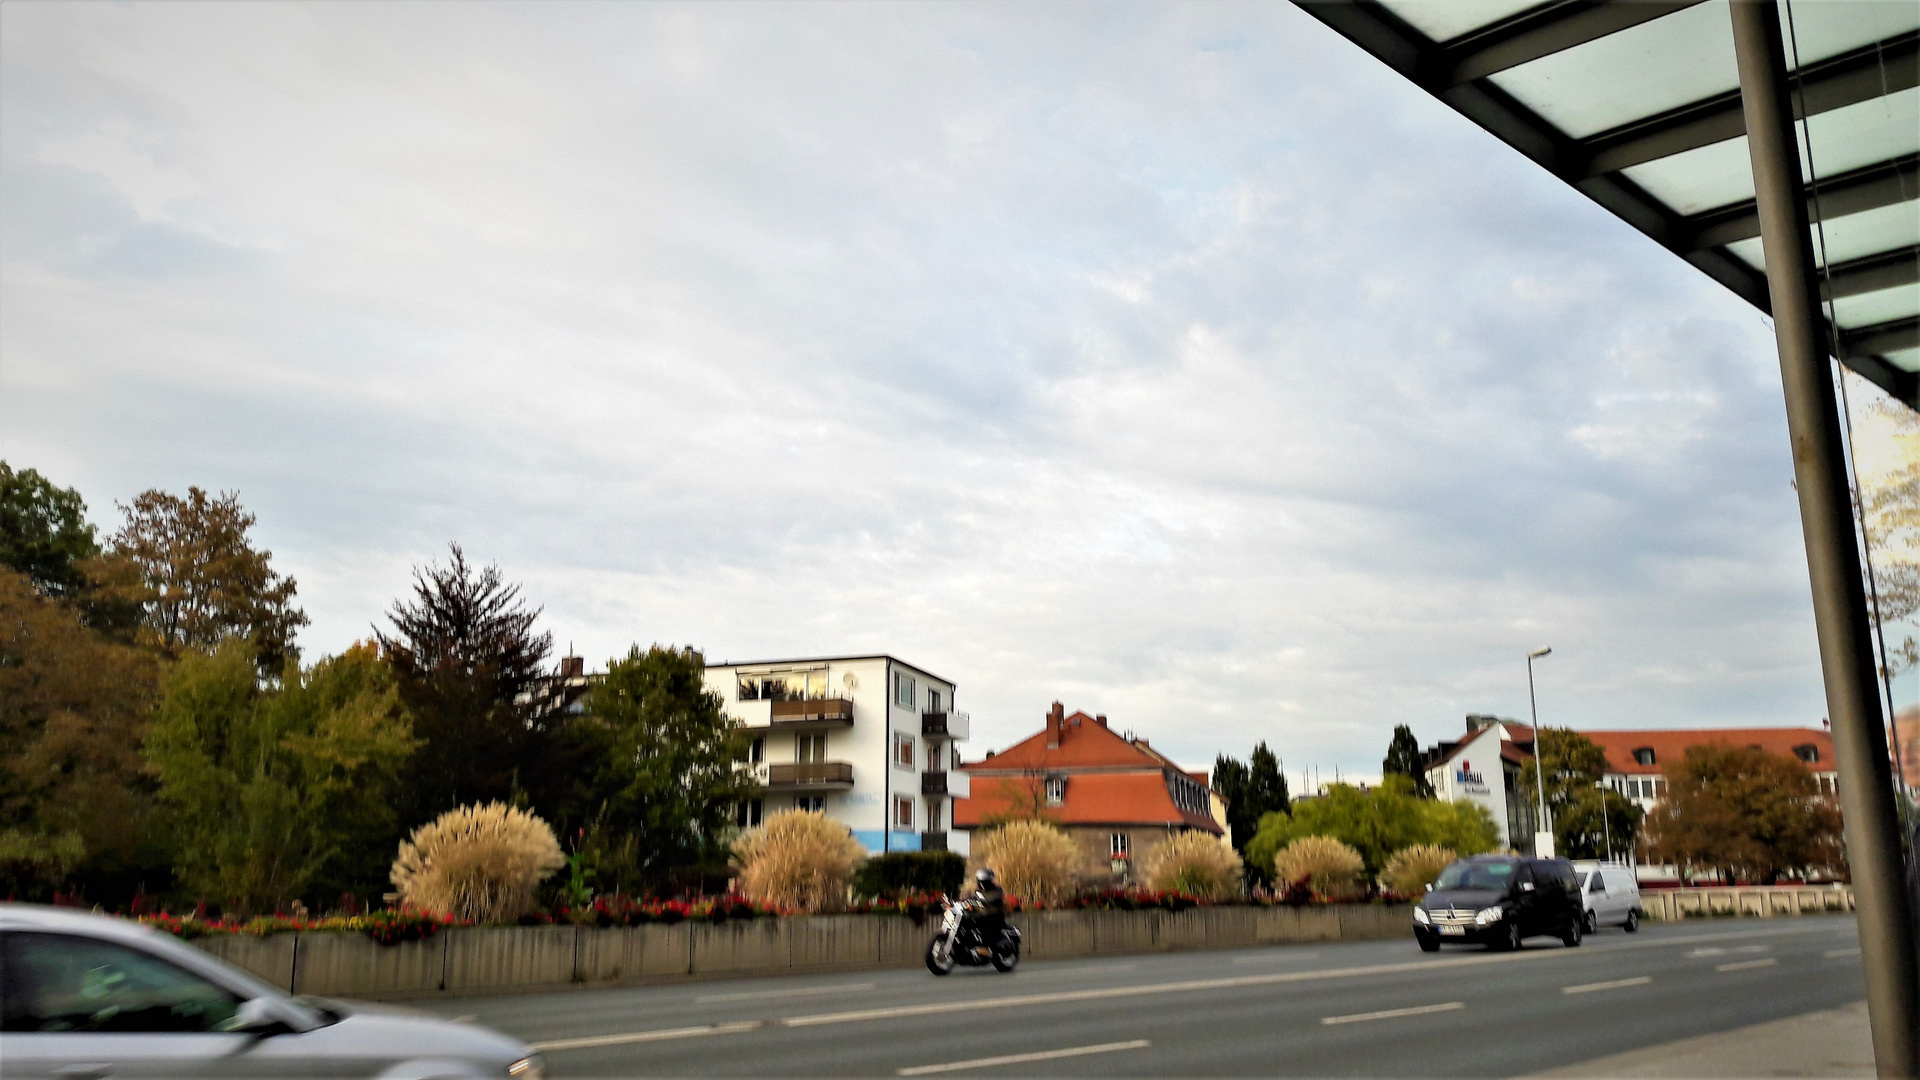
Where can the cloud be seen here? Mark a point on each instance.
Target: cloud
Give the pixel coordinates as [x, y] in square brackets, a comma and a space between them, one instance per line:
[1175, 361]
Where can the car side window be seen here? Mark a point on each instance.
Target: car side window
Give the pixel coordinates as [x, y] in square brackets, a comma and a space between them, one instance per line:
[60, 982]
[1598, 883]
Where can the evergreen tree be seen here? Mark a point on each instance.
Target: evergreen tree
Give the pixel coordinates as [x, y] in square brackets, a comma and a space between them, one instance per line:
[1403, 759]
[1230, 783]
[44, 532]
[1266, 784]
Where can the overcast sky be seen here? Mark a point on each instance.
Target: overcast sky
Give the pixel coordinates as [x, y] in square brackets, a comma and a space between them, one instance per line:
[1176, 362]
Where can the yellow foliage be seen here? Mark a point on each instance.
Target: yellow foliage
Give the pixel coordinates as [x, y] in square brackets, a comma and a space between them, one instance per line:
[798, 860]
[479, 863]
[1332, 869]
[1034, 861]
[1411, 869]
[1196, 863]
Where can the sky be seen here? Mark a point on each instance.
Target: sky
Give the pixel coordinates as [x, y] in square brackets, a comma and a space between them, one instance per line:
[1176, 362]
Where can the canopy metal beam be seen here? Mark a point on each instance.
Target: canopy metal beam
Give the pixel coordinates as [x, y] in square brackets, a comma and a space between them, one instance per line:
[1883, 270]
[1869, 187]
[1883, 337]
[1541, 31]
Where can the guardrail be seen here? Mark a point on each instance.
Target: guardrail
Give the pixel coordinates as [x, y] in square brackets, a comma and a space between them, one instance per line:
[520, 958]
[1761, 901]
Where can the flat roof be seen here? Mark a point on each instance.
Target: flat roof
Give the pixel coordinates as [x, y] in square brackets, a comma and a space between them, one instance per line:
[832, 660]
[1637, 106]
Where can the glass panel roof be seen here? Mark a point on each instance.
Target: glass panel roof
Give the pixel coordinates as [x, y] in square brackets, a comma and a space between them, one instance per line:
[1854, 235]
[1442, 20]
[1844, 139]
[1885, 305]
[1904, 359]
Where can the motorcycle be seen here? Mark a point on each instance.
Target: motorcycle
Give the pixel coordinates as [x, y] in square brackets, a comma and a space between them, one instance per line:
[959, 941]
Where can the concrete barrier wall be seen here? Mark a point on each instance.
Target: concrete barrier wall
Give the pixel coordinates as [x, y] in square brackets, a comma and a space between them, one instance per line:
[1760, 901]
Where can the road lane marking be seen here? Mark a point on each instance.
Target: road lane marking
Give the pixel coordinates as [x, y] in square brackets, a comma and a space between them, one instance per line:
[1745, 964]
[1274, 957]
[1388, 1014]
[1754, 948]
[762, 994]
[1021, 1059]
[1831, 953]
[1616, 984]
[661, 1035]
[1695, 954]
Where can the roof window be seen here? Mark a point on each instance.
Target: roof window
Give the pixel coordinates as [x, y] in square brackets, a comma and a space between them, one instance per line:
[1807, 752]
[1643, 756]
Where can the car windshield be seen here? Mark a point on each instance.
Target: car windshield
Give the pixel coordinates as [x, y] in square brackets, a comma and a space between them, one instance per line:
[1467, 875]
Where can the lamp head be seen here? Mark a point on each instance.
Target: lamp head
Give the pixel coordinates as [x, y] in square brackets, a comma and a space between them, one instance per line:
[1539, 652]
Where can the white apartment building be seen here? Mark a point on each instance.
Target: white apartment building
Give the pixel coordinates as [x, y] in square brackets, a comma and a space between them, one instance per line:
[869, 740]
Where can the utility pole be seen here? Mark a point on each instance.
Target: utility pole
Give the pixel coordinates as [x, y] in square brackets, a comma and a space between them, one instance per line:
[1542, 829]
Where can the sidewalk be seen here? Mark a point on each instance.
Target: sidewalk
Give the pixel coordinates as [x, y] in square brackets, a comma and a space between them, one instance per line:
[1831, 1043]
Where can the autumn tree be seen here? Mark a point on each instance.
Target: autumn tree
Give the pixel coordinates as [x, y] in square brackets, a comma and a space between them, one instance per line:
[658, 767]
[204, 582]
[1404, 758]
[74, 796]
[1747, 813]
[465, 650]
[275, 793]
[1574, 766]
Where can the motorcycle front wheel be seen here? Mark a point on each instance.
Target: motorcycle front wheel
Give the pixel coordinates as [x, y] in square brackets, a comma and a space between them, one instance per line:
[939, 959]
[1006, 961]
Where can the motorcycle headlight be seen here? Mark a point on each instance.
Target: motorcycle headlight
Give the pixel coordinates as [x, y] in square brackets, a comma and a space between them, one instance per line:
[527, 1068]
[1488, 915]
[1420, 915]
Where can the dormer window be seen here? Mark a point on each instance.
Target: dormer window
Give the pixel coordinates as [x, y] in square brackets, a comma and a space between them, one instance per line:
[1807, 752]
[1056, 790]
[1643, 756]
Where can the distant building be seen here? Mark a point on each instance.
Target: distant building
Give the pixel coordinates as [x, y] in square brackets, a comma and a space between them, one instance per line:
[869, 740]
[1903, 739]
[1637, 760]
[1484, 768]
[1113, 793]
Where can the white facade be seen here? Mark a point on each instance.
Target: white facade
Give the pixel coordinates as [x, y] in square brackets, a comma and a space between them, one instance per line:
[1476, 770]
[869, 740]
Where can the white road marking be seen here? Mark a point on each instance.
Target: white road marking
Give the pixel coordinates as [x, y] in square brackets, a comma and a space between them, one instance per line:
[1278, 955]
[1616, 984]
[1021, 1059]
[645, 1036]
[762, 994]
[1745, 964]
[1706, 952]
[1754, 948]
[1388, 1014]
[1831, 953]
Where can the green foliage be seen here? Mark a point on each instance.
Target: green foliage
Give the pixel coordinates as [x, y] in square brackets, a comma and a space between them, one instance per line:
[900, 872]
[1251, 791]
[275, 794]
[1573, 765]
[1377, 823]
[44, 532]
[1403, 759]
[658, 756]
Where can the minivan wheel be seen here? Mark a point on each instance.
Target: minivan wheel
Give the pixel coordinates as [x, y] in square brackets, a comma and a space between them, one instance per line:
[1593, 922]
[1633, 921]
[1510, 941]
[1428, 942]
[1572, 937]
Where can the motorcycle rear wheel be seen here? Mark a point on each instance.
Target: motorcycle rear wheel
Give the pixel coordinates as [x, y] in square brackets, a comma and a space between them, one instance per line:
[1006, 961]
[938, 962]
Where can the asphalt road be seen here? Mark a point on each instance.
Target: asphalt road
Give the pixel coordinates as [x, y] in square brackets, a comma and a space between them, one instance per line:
[1362, 1009]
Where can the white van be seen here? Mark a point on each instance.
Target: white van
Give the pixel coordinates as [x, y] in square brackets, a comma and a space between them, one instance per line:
[1611, 895]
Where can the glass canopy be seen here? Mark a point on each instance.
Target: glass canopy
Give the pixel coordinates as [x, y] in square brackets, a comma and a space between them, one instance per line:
[1638, 106]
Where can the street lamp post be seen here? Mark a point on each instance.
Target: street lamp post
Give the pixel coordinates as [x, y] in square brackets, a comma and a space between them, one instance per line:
[1606, 827]
[1543, 830]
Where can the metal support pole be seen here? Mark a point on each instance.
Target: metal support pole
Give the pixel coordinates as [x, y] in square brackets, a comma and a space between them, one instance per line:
[1886, 921]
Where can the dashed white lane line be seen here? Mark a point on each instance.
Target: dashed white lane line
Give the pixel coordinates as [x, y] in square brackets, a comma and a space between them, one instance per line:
[1616, 984]
[661, 1035]
[1746, 964]
[763, 995]
[1388, 1014]
[1021, 1059]
[1832, 953]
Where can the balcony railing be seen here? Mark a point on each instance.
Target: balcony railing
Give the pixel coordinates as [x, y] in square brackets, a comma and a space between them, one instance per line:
[944, 725]
[954, 783]
[813, 711]
[933, 841]
[818, 774]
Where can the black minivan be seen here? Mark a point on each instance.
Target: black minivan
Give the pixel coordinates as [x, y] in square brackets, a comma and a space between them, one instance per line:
[1497, 900]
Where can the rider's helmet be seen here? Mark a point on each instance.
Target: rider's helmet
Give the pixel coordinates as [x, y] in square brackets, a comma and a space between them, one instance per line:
[984, 876]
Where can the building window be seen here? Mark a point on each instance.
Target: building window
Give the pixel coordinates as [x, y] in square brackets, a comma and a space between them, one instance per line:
[1056, 790]
[810, 748]
[904, 689]
[902, 750]
[1119, 846]
[902, 813]
[1643, 756]
[1808, 753]
[933, 816]
[784, 686]
[933, 700]
[748, 814]
[757, 753]
[814, 803]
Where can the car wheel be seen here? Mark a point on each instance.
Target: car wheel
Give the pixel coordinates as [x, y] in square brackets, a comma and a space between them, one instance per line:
[1428, 942]
[1633, 922]
[1572, 937]
[1593, 922]
[939, 961]
[1509, 941]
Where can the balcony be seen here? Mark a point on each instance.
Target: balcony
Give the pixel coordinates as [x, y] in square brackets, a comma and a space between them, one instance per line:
[810, 775]
[812, 712]
[944, 725]
[956, 784]
[933, 841]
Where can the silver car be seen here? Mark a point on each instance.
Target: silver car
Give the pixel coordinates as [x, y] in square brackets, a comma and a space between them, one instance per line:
[85, 996]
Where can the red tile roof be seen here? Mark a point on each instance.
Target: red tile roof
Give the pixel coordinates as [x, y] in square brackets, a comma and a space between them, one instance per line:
[1097, 798]
[1670, 746]
[1085, 743]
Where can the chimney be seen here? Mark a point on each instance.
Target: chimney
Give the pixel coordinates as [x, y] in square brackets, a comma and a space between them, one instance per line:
[1055, 721]
[1101, 719]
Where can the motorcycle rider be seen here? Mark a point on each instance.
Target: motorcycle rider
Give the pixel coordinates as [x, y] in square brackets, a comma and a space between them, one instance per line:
[990, 914]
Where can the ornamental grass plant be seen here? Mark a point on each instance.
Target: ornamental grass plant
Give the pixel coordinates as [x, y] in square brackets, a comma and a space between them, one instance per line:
[1331, 869]
[797, 860]
[1410, 869]
[480, 864]
[1195, 863]
[1034, 861]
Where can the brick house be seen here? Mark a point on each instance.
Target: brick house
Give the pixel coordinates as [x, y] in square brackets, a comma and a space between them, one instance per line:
[1113, 793]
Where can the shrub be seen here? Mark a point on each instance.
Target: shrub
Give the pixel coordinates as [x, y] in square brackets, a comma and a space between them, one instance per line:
[479, 863]
[798, 860]
[1195, 863]
[1332, 869]
[1035, 861]
[1412, 868]
[900, 872]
